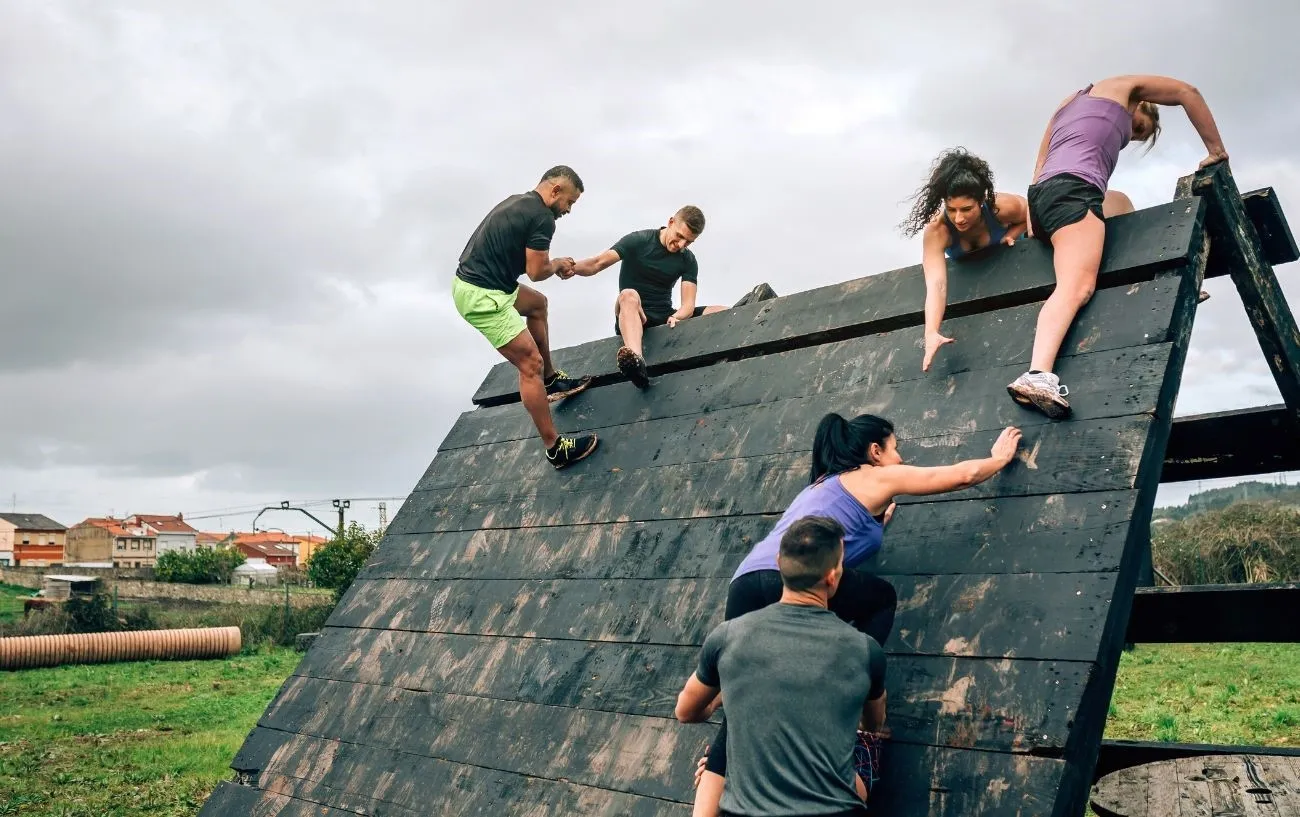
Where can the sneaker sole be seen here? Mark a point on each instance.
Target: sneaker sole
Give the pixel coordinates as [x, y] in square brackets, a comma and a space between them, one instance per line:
[560, 395]
[627, 364]
[1051, 408]
[595, 441]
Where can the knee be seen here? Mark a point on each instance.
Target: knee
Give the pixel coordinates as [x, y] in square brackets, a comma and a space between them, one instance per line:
[628, 299]
[530, 365]
[1081, 293]
[541, 304]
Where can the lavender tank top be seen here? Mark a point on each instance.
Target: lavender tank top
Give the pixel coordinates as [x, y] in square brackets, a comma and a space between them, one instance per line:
[1087, 135]
[863, 533]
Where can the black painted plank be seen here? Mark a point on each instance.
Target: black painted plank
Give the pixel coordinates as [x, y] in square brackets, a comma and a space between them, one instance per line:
[1040, 533]
[1100, 455]
[1265, 212]
[1263, 440]
[1050, 616]
[1105, 384]
[959, 783]
[1235, 246]
[1115, 319]
[1125, 754]
[232, 800]
[996, 704]
[1213, 613]
[1138, 246]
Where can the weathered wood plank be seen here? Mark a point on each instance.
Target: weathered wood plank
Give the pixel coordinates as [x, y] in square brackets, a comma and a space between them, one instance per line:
[1052, 533]
[1050, 616]
[1213, 613]
[1115, 319]
[992, 704]
[1236, 246]
[1275, 239]
[1108, 384]
[232, 800]
[1100, 455]
[1262, 440]
[1239, 785]
[1138, 246]
[953, 783]
[1124, 754]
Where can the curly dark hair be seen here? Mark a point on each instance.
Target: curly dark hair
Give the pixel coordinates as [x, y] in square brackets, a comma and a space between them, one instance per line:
[956, 172]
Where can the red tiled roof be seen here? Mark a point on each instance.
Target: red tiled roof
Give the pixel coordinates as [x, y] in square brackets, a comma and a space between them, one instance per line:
[267, 549]
[165, 524]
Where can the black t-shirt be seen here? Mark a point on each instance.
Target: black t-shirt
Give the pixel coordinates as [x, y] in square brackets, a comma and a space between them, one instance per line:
[494, 257]
[652, 271]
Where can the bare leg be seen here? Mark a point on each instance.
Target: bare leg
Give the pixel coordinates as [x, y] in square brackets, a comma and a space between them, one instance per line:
[631, 320]
[523, 353]
[532, 305]
[1076, 253]
[709, 310]
[708, 795]
[1116, 203]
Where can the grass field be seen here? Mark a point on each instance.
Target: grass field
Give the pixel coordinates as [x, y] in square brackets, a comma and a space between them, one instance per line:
[153, 738]
[11, 602]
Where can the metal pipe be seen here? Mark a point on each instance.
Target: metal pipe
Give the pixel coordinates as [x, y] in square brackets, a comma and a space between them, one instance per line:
[23, 652]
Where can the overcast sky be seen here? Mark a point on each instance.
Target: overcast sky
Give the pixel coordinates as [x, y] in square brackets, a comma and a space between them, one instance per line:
[228, 230]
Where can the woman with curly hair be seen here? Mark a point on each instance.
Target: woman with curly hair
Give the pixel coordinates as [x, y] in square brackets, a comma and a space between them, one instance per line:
[959, 212]
[1066, 202]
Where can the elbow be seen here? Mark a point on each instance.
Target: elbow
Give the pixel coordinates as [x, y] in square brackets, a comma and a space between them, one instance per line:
[685, 715]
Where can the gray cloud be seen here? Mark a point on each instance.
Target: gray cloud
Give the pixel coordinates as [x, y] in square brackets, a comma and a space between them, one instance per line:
[227, 232]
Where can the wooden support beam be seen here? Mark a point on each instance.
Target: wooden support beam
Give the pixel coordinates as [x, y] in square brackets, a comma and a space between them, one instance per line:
[1265, 212]
[1236, 245]
[1125, 754]
[1216, 613]
[1261, 440]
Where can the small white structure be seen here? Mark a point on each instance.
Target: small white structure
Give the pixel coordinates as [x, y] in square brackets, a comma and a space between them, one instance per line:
[255, 572]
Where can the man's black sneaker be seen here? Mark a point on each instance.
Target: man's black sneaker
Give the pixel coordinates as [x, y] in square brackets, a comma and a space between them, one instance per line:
[568, 450]
[561, 386]
[633, 366]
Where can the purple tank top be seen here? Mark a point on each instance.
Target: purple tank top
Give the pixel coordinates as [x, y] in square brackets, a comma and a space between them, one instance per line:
[862, 531]
[1087, 135]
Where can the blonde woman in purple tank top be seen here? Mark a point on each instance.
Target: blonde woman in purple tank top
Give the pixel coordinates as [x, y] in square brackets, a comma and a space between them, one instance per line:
[1075, 161]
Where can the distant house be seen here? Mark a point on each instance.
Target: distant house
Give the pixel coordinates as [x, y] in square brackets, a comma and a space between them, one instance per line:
[106, 540]
[31, 539]
[204, 539]
[172, 532]
[307, 547]
[278, 549]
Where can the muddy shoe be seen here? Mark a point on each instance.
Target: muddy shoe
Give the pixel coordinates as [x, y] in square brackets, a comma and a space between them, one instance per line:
[1203, 297]
[1042, 391]
[568, 450]
[632, 366]
[561, 386]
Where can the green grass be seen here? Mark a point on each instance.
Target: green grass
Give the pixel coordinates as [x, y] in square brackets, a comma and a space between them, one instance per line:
[154, 738]
[128, 739]
[11, 602]
[1208, 693]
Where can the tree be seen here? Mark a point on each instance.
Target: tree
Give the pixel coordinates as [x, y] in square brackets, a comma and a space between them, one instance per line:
[203, 566]
[337, 562]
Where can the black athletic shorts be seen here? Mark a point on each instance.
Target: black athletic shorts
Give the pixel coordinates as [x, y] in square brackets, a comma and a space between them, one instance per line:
[657, 320]
[1061, 201]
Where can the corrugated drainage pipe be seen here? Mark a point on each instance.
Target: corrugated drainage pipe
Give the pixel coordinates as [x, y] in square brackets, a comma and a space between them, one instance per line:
[21, 652]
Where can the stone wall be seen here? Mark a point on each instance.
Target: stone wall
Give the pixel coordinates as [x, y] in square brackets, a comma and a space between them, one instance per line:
[135, 588]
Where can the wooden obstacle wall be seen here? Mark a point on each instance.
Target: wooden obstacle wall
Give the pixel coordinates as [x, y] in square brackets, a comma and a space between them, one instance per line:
[516, 644]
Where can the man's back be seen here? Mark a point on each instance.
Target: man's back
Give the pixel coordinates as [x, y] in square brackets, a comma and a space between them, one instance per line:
[494, 257]
[794, 679]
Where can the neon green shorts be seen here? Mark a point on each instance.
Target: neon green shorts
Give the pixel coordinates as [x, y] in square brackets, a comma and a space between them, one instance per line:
[490, 311]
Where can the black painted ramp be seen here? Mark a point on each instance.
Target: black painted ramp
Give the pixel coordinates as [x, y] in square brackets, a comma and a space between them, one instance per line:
[517, 642]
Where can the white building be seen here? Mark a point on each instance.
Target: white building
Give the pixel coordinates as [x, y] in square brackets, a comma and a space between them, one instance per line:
[172, 532]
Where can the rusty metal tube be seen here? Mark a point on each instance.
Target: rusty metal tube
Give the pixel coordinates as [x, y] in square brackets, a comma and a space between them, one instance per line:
[22, 652]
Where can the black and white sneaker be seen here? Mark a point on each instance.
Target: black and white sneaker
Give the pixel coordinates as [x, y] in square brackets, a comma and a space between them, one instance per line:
[561, 386]
[568, 450]
[1042, 391]
[632, 366]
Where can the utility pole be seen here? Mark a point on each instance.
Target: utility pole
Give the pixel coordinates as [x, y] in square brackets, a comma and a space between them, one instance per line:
[342, 505]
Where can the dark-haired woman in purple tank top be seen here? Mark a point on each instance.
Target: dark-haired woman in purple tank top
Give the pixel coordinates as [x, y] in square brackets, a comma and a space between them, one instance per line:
[1075, 162]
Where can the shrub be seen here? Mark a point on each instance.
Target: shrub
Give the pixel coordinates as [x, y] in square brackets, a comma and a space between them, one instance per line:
[203, 566]
[1244, 542]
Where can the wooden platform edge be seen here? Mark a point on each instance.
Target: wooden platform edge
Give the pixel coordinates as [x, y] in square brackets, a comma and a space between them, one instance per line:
[1242, 442]
[1089, 724]
[1265, 212]
[1116, 755]
[1215, 613]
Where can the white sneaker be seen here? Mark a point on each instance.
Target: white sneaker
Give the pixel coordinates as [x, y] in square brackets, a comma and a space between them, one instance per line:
[1042, 391]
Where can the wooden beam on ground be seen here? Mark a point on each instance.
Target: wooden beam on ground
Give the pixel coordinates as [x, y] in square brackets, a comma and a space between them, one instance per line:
[1216, 613]
[1243, 442]
[1265, 212]
[1125, 754]
[1235, 245]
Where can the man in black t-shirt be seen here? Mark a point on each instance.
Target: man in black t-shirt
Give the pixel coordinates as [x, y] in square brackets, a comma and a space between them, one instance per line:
[797, 682]
[513, 240]
[654, 261]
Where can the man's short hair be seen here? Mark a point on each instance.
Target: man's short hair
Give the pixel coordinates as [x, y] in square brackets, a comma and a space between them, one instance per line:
[563, 172]
[810, 548]
[692, 217]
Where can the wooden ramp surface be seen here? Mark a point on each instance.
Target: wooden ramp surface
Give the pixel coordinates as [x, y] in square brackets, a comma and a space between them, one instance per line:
[516, 644]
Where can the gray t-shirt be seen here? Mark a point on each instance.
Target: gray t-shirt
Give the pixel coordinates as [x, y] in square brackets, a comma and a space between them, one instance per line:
[794, 679]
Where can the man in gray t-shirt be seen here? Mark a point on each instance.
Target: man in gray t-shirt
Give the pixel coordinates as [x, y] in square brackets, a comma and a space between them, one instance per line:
[797, 681]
